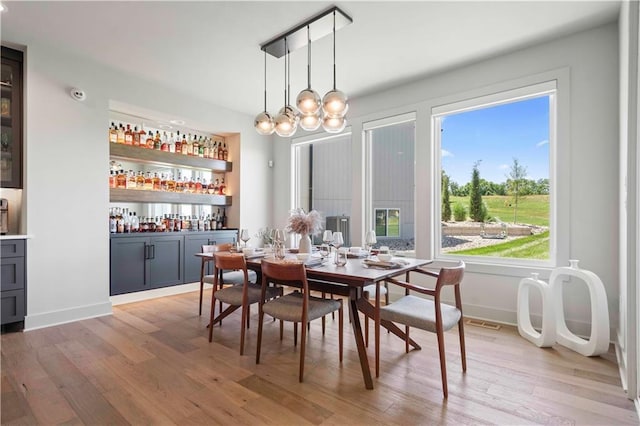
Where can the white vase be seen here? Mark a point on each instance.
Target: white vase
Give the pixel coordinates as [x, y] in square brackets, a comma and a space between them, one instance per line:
[305, 244]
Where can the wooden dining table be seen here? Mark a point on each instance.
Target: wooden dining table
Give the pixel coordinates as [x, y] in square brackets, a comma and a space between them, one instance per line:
[348, 280]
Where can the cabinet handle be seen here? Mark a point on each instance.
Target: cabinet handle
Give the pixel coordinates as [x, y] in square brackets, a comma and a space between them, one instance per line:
[146, 251]
[153, 251]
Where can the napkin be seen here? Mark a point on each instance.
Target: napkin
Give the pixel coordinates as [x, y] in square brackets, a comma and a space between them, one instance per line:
[380, 264]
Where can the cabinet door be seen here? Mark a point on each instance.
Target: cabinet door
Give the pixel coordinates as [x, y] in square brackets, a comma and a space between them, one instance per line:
[129, 266]
[12, 306]
[12, 276]
[166, 265]
[11, 118]
[192, 245]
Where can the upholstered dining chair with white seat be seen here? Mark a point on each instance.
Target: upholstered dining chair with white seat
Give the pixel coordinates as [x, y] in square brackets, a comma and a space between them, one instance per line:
[296, 307]
[427, 314]
[227, 277]
[236, 296]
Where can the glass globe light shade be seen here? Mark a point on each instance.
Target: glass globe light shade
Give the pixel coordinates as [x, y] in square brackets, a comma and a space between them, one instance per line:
[286, 122]
[334, 124]
[335, 103]
[308, 101]
[310, 122]
[264, 123]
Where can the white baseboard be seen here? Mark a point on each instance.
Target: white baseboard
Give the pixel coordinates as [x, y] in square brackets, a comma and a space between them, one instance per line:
[139, 296]
[49, 319]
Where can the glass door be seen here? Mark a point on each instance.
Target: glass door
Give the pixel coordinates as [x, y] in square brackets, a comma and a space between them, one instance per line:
[11, 119]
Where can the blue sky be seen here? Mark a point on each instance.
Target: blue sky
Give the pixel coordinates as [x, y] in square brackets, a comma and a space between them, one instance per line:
[496, 135]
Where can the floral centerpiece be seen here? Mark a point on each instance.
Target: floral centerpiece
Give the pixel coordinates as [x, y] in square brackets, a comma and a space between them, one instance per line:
[305, 224]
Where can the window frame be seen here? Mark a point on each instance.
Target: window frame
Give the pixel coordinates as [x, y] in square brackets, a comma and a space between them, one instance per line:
[547, 87]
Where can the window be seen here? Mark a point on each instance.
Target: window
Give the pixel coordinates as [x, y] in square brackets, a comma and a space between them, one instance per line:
[390, 181]
[495, 182]
[387, 222]
[322, 178]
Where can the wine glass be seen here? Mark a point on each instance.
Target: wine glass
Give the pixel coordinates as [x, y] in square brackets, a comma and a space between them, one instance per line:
[327, 237]
[324, 251]
[370, 240]
[244, 236]
[338, 241]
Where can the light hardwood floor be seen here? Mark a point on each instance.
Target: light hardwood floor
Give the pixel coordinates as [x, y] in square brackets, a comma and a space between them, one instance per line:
[151, 363]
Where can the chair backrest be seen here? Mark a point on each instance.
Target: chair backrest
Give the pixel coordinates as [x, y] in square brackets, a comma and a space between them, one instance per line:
[451, 276]
[225, 261]
[287, 273]
[216, 248]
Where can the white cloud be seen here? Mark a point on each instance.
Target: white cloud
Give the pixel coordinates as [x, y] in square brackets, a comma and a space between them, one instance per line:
[446, 153]
[542, 143]
[503, 166]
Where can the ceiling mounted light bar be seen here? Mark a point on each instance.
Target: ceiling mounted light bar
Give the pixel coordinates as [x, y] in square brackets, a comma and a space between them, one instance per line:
[318, 26]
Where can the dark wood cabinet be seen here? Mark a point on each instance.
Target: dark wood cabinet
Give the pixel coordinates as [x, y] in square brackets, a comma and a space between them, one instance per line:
[11, 118]
[13, 281]
[142, 262]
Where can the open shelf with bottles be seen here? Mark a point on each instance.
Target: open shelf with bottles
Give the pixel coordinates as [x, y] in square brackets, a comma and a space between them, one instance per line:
[163, 158]
[142, 196]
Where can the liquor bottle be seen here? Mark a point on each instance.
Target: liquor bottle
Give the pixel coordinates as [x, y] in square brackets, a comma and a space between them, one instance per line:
[222, 190]
[220, 151]
[149, 141]
[207, 223]
[155, 182]
[144, 224]
[198, 186]
[207, 148]
[195, 146]
[136, 136]
[113, 133]
[177, 223]
[127, 222]
[225, 151]
[201, 147]
[121, 180]
[112, 221]
[131, 180]
[185, 146]
[156, 141]
[224, 218]
[172, 141]
[119, 223]
[140, 181]
[191, 186]
[135, 223]
[213, 154]
[142, 136]
[163, 182]
[179, 184]
[120, 134]
[178, 144]
[171, 183]
[165, 142]
[148, 182]
[216, 186]
[112, 179]
[128, 136]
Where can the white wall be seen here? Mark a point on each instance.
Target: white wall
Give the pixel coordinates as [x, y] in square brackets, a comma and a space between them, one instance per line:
[66, 193]
[591, 58]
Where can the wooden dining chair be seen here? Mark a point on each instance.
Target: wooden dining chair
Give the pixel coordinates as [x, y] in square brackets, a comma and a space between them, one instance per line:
[427, 314]
[296, 307]
[225, 277]
[238, 295]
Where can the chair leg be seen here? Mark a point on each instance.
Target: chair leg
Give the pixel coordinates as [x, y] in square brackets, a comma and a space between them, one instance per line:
[303, 341]
[340, 331]
[406, 339]
[201, 291]
[333, 314]
[463, 352]
[295, 333]
[248, 315]
[245, 320]
[443, 362]
[259, 343]
[281, 328]
[323, 325]
[212, 316]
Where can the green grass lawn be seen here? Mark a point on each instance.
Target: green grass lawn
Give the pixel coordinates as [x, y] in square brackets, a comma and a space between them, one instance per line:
[532, 209]
[532, 247]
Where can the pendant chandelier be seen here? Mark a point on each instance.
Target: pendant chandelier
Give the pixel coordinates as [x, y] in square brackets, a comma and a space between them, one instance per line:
[312, 111]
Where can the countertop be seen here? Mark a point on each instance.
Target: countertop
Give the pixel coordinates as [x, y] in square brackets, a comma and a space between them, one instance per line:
[15, 237]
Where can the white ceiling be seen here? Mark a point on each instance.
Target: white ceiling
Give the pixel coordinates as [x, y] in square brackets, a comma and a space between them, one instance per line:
[210, 50]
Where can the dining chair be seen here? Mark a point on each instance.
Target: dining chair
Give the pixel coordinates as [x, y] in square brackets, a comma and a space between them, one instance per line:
[297, 307]
[238, 295]
[225, 277]
[427, 314]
